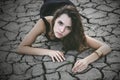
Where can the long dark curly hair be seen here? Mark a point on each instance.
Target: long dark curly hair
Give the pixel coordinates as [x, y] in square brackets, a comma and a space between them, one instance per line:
[76, 38]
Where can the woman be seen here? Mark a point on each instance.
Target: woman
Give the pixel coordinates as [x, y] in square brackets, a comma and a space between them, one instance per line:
[65, 26]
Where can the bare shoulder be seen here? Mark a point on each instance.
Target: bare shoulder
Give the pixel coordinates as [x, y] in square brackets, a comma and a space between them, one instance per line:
[40, 27]
[49, 18]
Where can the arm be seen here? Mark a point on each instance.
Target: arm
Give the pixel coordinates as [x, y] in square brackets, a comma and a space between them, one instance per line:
[25, 45]
[101, 50]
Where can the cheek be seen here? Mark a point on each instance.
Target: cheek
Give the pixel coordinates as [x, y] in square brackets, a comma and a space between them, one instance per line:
[54, 28]
[67, 32]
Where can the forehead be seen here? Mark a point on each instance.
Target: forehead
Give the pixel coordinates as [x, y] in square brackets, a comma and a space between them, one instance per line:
[65, 19]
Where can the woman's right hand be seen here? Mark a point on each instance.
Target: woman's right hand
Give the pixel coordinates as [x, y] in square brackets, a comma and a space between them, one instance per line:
[56, 55]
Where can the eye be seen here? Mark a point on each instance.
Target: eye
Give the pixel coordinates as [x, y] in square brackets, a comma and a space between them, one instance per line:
[69, 27]
[60, 22]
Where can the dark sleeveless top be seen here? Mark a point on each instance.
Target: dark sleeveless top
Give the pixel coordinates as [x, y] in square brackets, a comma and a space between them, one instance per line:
[50, 6]
[47, 24]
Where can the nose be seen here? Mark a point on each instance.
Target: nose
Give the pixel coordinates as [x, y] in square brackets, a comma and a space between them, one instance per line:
[62, 29]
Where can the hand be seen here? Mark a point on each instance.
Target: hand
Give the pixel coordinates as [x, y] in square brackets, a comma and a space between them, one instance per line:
[57, 55]
[80, 65]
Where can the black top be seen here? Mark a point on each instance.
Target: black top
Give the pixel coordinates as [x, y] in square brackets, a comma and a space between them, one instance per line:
[50, 6]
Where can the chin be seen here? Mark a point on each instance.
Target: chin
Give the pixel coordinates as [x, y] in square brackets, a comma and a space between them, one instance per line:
[58, 37]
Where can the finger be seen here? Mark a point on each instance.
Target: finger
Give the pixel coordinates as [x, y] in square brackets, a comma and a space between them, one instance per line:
[77, 64]
[82, 68]
[53, 59]
[77, 67]
[56, 58]
[60, 56]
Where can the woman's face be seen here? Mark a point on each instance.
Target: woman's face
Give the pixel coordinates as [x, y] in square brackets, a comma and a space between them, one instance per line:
[62, 26]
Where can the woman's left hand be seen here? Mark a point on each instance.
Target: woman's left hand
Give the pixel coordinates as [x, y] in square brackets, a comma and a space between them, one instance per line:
[80, 65]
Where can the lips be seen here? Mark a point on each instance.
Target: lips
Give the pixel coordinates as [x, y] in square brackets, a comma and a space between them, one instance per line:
[59, 34]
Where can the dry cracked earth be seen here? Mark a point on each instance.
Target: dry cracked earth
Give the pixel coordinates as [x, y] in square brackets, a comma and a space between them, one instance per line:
[101, 20]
